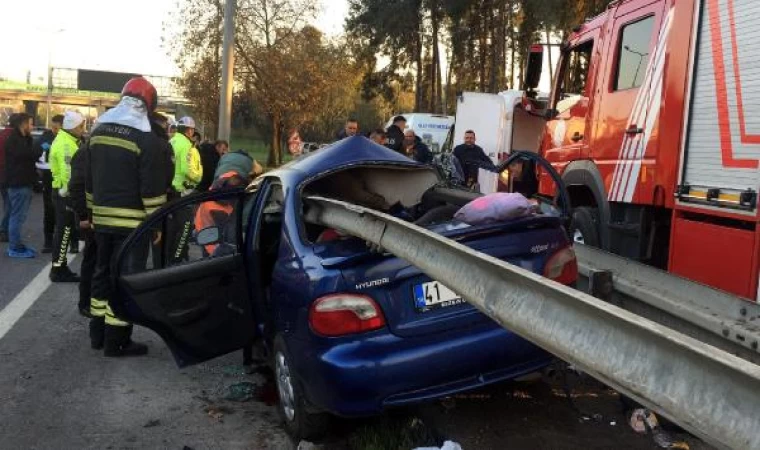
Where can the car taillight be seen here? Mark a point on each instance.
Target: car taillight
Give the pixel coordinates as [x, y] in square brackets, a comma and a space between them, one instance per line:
[342, 314]
[562, 267]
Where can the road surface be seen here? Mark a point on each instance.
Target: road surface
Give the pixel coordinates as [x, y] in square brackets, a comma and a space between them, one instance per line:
[57, 393]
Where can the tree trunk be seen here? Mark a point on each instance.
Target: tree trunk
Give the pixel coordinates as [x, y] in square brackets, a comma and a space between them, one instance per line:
[418, 57]
[437, 84]
[512, 44]
[275, 148]
[484, 26]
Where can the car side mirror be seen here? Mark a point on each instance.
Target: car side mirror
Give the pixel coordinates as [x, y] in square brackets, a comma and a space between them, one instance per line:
[208, 236]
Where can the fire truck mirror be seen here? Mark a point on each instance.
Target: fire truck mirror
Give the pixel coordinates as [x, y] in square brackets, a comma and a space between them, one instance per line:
[534, 67]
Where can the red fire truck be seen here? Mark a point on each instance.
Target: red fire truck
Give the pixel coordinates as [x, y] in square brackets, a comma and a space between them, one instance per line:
[654, 122]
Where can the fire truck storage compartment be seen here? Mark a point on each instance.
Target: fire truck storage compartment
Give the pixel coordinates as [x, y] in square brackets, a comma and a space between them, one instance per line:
[722, 145]
[714, 251]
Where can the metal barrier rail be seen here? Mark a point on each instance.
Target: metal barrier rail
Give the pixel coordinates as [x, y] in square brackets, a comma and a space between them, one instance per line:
[706, 314]
[709, 392]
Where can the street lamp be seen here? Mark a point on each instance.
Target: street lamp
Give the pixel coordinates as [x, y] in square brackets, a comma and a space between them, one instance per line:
[50, 76]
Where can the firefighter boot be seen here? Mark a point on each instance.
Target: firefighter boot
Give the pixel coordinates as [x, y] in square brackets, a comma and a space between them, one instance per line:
[119, 343]
[97, 332]
[48, 246]
[63, 274]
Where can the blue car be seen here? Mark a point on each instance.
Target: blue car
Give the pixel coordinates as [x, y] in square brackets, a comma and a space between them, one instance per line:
[350, 331]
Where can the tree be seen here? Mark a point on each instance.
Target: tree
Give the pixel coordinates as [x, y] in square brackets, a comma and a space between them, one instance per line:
[261, 27]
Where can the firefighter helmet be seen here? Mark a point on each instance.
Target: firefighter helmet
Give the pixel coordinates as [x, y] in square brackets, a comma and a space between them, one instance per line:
[141, 88]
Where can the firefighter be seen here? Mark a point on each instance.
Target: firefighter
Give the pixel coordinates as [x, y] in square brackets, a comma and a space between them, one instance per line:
[62, 150]
[126, 177]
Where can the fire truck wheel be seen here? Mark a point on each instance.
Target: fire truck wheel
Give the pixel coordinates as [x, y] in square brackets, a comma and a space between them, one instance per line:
[585, 226]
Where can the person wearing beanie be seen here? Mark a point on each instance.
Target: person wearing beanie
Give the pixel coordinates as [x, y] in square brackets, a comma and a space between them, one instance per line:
[62, 151]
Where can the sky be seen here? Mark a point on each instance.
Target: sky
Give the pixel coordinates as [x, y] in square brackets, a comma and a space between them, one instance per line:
[111, 35]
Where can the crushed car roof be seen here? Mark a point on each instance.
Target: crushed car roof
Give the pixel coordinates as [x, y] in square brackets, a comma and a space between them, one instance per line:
[353, 151]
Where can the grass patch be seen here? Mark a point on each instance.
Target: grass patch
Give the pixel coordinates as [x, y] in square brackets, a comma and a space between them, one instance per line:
[258, 149]
[393, 433]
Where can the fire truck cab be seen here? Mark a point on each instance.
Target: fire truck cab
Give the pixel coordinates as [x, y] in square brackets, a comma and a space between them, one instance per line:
[654, 124]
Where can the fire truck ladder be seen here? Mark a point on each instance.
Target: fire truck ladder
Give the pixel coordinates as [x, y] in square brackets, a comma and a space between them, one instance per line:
[684, 350]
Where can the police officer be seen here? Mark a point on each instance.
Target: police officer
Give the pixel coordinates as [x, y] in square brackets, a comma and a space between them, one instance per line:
[188, 171]
[394, 135]
[126, 177]
[62, 151]
[43, 168]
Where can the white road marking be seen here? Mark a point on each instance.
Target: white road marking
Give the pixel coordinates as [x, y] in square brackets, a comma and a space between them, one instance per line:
[16, 309]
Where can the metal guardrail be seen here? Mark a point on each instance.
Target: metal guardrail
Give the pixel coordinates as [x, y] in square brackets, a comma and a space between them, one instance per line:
[712, 393]
[706, 314]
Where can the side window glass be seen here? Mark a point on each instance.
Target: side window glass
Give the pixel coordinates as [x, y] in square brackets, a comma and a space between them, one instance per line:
[200, 231]
[575, 75]
[633, 54]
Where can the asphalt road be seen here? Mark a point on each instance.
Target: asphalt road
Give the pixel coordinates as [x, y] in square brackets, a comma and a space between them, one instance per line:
[57, 393]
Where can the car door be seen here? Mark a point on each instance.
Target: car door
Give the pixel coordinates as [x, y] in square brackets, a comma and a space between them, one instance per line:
[183, 274]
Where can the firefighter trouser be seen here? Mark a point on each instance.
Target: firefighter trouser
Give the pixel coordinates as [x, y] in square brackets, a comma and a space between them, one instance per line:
[64, 229]
[108, 245]
[89, 260]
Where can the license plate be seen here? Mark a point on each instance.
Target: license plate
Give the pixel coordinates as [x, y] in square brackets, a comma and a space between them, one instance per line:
[434, 295]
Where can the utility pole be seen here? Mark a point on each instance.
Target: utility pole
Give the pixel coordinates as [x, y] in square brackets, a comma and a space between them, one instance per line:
[228, 63]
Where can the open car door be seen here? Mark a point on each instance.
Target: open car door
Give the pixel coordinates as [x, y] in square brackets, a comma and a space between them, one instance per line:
[183, 274]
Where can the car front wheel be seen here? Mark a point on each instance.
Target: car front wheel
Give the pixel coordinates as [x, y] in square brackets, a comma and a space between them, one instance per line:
[301, 422]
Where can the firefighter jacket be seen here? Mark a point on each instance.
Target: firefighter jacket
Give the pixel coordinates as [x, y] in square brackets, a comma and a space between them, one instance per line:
[61, 152]
[188, 171]
[126, 177]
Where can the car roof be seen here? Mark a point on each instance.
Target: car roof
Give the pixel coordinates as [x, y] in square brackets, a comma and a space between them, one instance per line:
[351, 151]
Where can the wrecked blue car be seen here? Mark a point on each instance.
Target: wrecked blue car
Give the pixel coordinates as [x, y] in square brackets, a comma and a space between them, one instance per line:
[349, 331]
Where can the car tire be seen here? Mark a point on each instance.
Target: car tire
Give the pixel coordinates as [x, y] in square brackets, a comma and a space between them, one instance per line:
[301, 422]
[585, 226]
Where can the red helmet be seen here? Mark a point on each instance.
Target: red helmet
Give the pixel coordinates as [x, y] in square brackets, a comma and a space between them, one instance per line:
[141, 88]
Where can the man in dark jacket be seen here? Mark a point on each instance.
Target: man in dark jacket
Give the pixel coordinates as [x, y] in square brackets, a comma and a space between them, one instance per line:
[394, 135]
[350, 129]
[472, 157]
[416, 149]
[43, 167]
[210, 155]
[4, 133]
[20, 176]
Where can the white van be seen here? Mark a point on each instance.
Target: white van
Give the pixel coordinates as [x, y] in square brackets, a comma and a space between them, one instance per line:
[431, 128]
[501, 123]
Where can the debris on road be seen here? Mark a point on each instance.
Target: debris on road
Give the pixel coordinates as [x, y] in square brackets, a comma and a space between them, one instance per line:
[242, 392]
[448, 445]
[644, 421]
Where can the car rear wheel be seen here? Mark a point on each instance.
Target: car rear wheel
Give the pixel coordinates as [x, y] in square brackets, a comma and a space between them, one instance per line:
[301, 421]
[585, 226]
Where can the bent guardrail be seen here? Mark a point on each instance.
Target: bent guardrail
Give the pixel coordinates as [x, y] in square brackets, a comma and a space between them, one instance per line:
[709, 392]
